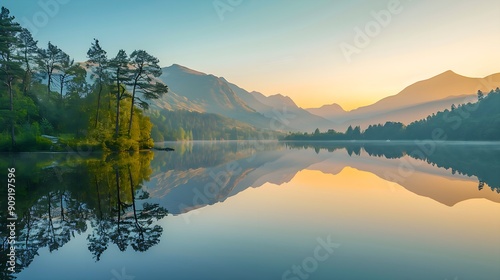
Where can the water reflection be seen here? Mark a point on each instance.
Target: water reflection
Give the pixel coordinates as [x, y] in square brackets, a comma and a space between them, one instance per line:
[442, 172]
[61, 196]
[478, 159]
[116, 200]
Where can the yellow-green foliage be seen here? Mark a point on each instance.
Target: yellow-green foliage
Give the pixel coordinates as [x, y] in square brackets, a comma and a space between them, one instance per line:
[128, 170]
[140, 133]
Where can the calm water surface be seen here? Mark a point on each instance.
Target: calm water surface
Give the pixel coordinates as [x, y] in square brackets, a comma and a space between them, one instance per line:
[252, 210]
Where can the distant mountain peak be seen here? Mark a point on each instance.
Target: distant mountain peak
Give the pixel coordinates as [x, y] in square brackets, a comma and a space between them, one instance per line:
[447, 74]
[283, 99]
[280, 96]
[184, 69]
[333, 106]
[328, 111]
[451, 74]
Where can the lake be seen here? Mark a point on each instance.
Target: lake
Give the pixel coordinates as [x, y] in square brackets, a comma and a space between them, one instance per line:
[259, 210]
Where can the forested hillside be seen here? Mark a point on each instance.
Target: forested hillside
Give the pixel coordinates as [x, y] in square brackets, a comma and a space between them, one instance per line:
[44, 92]
[185, 125]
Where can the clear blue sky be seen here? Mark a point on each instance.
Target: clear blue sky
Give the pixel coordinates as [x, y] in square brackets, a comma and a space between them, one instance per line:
[284, 46]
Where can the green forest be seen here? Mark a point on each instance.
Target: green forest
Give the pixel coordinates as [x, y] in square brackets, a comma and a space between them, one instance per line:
[186, 125]
[44, 92]
[478, 121]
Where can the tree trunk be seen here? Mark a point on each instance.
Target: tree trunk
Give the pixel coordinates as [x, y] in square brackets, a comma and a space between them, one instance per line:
[49, 76]
[132, 109]
[140, 68]
[28, 226]
[137, 225]
[118, 95]
[27, 74]
[98, 104]
[118, 201]
[98, 197]
[26, 82]
[51, 225]
[12, 121]
[61, 79]
[62, 207]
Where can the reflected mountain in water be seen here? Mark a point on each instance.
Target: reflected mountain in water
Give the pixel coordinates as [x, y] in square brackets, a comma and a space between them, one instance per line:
[447, 173]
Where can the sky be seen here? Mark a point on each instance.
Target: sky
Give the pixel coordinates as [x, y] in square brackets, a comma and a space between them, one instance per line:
[317, 52]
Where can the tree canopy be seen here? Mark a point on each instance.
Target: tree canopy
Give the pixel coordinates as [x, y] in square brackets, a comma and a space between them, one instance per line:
[43, 91]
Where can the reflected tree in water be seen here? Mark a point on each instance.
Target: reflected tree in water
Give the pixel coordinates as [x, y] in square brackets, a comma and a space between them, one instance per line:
[60, 199]
[120, 220]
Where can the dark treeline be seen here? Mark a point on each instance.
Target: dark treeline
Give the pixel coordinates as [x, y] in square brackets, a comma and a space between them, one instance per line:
[470, 160]
[98, 103]
[185, 125]
[471, 121]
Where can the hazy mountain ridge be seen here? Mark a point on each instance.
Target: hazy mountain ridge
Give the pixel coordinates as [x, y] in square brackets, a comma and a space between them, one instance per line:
[209, 91]
[328, 111]
[442, 86]
[209, 94]
[193, 90]
[282, 110]
[416, 101]
[408, 114]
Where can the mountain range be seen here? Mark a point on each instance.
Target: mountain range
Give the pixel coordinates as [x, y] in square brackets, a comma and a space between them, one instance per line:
[206, 93]
[421, 99]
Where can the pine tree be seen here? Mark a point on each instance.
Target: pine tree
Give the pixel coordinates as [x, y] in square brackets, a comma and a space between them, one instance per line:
[10, 63]
[119, 67]
[480, 95]
[145, 68]
[67, 71]
[76, 109]
[349, 131]
[356, 133]
[29, 50]
[49, 60]
[98, 57]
